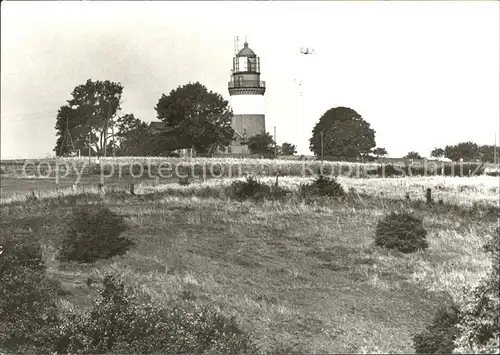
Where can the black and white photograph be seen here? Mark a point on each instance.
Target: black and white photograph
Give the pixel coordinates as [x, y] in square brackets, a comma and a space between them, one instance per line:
[250, 177]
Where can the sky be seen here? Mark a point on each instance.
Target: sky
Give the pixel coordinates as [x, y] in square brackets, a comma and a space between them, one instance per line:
[423, 74]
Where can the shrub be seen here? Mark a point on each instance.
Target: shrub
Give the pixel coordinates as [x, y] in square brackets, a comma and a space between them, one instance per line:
[28, 311]
[119, 323]
[439, 336]
[184, 181]
[389, 171]
[252, 188]
[20, 250]
[479, 322]
[323, 186]
[93, 233]
[31, 197]
[401, 231]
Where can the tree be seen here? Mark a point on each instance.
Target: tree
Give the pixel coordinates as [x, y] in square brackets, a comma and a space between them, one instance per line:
[468, 151]
[413, 155]
[132, 136]
[288, 149]
[346, 135]
[379, 152]
[437, 153]
[89, 113]
[197, 117]
[262, 144]
[487, 153]
[72, 132]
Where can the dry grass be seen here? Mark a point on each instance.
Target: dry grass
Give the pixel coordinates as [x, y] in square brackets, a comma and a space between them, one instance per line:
[454, 190]
[304, 275]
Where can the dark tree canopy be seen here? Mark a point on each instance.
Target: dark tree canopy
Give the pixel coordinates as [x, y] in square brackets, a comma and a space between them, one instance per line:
[346, 135]
[89, 112]
[133, 136]
[262, 144]
[379, 152]
[468, 151]
[437, 153]
[487, 153]
[68, 120]
[288, 149]
[413, 155]
[196, 117]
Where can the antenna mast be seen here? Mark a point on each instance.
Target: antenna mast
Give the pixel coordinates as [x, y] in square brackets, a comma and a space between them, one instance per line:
[236, 45]
[69, 141]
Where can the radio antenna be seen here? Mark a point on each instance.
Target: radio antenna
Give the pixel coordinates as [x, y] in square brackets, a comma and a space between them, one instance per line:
[236, 45]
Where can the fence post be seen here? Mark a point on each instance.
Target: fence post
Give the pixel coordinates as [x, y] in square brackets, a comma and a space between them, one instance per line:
[428, 196]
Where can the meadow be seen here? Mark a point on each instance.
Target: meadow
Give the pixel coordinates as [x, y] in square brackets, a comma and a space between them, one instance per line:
[298, 274]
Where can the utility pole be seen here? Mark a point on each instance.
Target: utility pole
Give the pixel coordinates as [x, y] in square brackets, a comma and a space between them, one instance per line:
[495, 151]
[321, 148]
[275, 144]
[106, 131]
[90, 132]
[62, 144]
[113, 137]
[305, 51]
[69, 135]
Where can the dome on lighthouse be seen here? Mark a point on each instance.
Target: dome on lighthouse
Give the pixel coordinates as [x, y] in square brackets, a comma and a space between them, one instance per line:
[246, 52]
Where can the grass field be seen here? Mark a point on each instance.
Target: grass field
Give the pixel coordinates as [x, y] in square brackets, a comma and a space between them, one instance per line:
[301, 275]
[217, 167]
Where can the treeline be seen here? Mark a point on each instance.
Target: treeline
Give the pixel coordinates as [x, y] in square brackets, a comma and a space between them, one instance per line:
[467, 151]
[92, 122]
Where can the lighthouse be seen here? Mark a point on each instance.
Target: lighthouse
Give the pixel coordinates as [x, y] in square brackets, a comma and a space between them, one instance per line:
[246, 92]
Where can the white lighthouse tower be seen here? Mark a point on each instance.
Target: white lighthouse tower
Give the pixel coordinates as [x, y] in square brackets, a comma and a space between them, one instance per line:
[247, 98]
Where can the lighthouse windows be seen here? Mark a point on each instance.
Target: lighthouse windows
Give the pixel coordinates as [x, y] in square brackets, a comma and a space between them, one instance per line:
[243, 64]
[246, 64]
[253, 65]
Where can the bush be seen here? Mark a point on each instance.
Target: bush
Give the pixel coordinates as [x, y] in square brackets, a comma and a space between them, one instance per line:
[401, 231]
[474, 327]
[322, 186]
[252, 188]
[28, 311]
[389, 171]
[439, 336]
[184, 181]
[93, 233]
[20, 251]
[118, 323]
[479, 322]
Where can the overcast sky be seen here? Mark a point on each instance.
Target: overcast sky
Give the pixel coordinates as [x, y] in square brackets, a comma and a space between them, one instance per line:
[422, 74]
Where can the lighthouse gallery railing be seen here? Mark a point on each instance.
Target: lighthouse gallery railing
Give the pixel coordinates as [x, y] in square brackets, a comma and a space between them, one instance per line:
[247, 84]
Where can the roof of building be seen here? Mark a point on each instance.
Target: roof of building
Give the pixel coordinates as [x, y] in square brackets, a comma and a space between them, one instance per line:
[246, 52]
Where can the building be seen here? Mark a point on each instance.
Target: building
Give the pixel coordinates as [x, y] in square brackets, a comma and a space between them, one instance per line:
[246, 92]
[161, 128]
